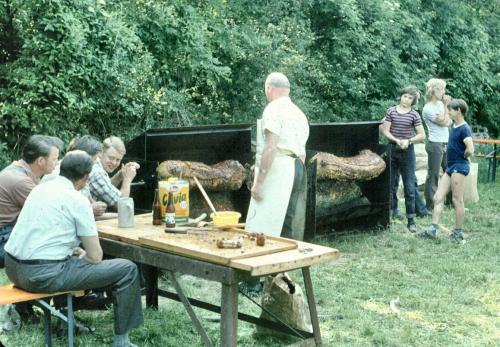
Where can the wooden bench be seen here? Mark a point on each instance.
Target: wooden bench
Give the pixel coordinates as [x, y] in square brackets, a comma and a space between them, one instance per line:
[12, 295]
[491, 157]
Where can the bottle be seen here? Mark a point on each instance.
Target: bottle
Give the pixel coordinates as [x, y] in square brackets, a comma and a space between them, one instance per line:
[170, 212]
[157, 220]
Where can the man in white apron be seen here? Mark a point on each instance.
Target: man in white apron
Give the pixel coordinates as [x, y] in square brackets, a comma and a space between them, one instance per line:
[278, 202]
[278, 199]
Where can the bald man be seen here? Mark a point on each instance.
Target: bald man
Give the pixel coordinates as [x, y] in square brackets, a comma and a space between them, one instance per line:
[277, 206]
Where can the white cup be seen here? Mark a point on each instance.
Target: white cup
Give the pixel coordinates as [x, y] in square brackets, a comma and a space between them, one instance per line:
[125, 213]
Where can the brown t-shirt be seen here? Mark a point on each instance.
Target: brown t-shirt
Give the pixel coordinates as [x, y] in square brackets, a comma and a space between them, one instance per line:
[16, 182]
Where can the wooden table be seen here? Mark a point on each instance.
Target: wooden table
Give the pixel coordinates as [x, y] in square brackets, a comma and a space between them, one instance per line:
[126, 243]
[495, 143]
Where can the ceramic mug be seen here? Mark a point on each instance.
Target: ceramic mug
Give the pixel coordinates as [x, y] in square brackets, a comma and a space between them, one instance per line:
[126, 213]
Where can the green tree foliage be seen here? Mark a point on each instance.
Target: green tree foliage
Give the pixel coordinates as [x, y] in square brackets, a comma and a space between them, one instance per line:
[80, 69]
[98, 66]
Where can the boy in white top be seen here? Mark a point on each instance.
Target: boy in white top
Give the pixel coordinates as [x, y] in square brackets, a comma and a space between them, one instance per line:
[437, 120]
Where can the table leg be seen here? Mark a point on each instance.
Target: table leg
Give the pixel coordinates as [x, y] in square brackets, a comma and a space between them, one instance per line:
[229, 315]
[150, 274]
[189, 309]
[312, 305]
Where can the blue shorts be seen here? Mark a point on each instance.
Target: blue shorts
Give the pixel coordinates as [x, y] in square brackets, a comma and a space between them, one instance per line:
[461, 168]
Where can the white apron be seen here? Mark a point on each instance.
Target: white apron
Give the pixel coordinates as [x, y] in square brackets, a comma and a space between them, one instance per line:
[267, 216]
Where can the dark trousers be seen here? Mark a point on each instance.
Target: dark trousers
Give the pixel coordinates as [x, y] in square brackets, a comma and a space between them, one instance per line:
[436, 160]
[299, 185]
[420, 208]
[4, 236]
[119, 275]
[403, 162]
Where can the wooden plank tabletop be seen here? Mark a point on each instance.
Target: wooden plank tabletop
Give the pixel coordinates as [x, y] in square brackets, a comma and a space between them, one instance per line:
[306, 254]
[143, 227]
[292, 255]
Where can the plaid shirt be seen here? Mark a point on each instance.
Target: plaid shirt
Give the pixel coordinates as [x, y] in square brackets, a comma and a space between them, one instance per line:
[101, 187]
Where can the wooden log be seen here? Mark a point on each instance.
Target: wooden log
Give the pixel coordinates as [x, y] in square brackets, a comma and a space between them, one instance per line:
[362, 167]
[224, 176]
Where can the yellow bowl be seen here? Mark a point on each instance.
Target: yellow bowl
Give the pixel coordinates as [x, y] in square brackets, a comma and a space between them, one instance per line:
[225, 218]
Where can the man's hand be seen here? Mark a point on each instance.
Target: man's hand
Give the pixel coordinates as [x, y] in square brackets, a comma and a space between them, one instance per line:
[257, 191]
[129, 171]
[79, 252]
[98, 208]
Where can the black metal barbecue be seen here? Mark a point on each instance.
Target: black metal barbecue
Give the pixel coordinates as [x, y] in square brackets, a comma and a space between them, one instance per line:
[214, 143]
[346, 140]
[207, 144]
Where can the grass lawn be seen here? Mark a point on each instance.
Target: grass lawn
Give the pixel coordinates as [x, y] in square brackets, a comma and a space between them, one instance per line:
[448, 293]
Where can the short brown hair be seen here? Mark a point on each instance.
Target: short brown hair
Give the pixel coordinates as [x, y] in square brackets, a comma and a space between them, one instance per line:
[40, 146]
[412, 90]
[114, 142]
[456, 104]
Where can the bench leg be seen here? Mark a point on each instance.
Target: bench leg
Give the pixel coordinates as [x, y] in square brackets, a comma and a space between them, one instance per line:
[71, 322]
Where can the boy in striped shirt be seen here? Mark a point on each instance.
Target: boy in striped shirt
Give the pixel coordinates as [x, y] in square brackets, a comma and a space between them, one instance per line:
[403, 127]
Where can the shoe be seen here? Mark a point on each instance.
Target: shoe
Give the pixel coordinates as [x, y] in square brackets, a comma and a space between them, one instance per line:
[26, 312]
[396, 215]
[430, 233]
[425, 214]
[456, 235]
[412, 228]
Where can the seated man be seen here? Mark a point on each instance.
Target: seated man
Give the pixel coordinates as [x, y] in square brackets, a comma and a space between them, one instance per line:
[43, 253]
[93, 147]
[39, 158]
[102, 187]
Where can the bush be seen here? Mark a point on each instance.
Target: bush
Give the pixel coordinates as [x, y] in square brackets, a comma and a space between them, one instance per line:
[102, 67]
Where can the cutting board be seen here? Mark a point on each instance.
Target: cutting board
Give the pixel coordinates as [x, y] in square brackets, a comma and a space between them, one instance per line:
[199, 245]
[203, 246]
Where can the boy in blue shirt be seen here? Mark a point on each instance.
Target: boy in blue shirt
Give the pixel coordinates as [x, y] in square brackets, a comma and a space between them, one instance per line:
[460, 148]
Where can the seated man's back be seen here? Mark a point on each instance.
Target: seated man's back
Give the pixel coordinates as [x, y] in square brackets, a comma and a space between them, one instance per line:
[43, 253]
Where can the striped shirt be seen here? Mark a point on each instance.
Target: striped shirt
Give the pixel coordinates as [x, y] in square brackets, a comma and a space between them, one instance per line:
[402, 124]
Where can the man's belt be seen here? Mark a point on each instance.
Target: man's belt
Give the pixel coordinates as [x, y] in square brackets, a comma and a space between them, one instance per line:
[37, 261]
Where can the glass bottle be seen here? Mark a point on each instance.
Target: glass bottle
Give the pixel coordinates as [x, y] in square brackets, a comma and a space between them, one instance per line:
[157, 220]
[170, 212]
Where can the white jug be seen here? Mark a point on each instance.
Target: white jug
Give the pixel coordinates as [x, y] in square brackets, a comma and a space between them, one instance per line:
[126, 213]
